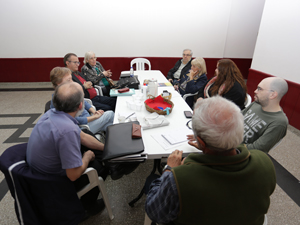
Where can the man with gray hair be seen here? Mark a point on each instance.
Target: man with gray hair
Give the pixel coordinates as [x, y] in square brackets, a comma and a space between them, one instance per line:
[265, 124]
[227, 184]
[181, 67]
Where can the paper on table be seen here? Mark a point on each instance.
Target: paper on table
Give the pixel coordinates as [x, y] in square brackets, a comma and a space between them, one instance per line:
[163, 142]
[177, 136]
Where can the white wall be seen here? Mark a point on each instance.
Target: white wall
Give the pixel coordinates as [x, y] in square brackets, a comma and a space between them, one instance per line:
[277, 50]
[119, 28]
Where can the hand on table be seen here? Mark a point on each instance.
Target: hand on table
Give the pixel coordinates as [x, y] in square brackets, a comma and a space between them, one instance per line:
[175, 158]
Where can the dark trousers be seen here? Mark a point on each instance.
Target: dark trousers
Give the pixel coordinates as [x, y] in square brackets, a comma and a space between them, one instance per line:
[105, 103]
[90, 198]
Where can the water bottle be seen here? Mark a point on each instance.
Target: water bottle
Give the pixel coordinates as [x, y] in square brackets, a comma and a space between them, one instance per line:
[131, 72]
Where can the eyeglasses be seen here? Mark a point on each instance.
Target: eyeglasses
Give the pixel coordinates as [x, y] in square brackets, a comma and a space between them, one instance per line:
[186, 54]
[260, 89]
[189, 124]
[75, 62]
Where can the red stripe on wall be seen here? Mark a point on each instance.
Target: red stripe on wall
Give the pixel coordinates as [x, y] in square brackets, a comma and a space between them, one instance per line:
[290, 103]
[38, 69]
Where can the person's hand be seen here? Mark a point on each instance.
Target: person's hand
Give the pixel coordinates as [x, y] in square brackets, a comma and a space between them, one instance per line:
[190, 137]
[194, 144]
[89, 155]
[88, 84]
[170, 80]
[107, 73]
[99, 112]
[176, 87]
[175, 158]
[192, 74]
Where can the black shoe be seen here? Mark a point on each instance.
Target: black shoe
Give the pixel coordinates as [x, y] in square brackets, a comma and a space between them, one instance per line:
[97, 207]
[118, 170]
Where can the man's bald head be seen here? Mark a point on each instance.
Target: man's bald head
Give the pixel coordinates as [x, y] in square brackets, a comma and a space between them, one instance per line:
[67, 97]
[279, 85]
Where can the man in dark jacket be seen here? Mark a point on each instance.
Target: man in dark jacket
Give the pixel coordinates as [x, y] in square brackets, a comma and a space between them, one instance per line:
[181, 67]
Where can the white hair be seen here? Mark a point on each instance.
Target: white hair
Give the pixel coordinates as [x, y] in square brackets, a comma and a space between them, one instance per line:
[87, 56]
[187, 49]
[219, 123]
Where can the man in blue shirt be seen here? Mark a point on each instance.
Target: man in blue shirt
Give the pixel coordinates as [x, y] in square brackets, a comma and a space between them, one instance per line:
[54, 146]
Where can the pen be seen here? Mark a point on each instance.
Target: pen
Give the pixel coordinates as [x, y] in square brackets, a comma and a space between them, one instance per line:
[129, 115]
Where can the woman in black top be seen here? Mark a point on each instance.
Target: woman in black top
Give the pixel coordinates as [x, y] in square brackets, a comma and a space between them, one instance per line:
[228, 82]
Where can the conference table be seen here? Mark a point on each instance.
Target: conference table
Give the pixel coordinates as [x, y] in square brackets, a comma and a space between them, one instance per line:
[177, 119]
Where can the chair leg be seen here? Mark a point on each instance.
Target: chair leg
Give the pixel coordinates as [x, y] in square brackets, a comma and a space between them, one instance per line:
[105, 197]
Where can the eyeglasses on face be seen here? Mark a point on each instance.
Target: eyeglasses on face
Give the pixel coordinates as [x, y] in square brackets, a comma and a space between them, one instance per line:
[186, 54]
[75, 62]
[260, 89]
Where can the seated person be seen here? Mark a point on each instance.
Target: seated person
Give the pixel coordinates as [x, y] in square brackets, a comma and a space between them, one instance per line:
[99, 120]
[265, 124]
[54, 146]
[219, 186]
[228, 82]
[94, 72]
[181, 67]
[193, 81]
[105, 103]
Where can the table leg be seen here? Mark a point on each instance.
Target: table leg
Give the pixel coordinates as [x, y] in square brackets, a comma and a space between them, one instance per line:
[156, 166]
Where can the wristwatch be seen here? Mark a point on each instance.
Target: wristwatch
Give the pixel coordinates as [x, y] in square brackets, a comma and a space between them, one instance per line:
[167, 167]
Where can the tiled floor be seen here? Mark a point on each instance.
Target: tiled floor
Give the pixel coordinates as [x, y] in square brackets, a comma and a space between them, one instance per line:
[22, 108]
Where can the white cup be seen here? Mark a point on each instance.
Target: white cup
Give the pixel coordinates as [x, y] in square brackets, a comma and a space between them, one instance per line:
[121, 119]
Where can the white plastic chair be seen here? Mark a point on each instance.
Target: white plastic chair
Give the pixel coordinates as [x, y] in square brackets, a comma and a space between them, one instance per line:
[266, 220]
[248, 101]
[140, 63]
[94, 182]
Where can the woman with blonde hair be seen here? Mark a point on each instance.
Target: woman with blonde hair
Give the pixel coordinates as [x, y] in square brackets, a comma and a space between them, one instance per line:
[193, 81]
[228, 82]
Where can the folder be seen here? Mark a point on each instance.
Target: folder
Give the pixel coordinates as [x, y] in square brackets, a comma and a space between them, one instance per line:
[119, 142]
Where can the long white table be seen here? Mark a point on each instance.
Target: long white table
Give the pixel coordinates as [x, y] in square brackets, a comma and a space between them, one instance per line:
[176, 118]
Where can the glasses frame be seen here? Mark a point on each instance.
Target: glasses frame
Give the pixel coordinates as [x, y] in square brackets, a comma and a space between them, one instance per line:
[75, 62]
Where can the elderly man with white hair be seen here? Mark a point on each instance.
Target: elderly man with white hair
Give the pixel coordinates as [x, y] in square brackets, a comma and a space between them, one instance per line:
[265, 123]
[227, 184]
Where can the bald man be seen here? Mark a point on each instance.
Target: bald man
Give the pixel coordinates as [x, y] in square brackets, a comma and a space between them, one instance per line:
[265, 123]
[54, 144]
